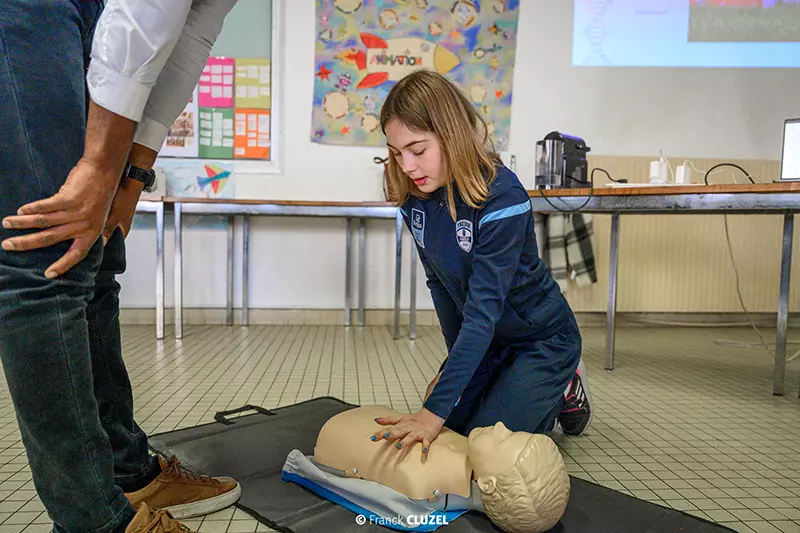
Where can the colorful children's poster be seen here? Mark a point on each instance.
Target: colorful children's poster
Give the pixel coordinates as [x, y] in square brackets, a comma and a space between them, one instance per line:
[198, 179]
[251, 138]
[364, 46]
[253, 83]
[216, 133]
[216, 82]
[181, 138]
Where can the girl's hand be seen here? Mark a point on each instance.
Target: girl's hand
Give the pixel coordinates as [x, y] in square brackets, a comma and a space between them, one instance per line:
[407, 429]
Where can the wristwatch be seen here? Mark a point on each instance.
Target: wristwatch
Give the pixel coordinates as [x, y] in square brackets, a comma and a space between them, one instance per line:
[148, 177]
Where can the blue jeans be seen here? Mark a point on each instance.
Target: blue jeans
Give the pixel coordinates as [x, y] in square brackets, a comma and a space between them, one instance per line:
[59, 339]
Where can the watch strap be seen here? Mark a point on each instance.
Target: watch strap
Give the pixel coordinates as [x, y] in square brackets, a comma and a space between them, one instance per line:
[148, 177]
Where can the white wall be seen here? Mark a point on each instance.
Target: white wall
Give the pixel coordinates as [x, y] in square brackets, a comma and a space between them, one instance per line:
[299, 263]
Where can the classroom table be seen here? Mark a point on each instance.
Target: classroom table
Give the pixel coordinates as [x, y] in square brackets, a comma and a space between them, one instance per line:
[762, 198]
[360, 211]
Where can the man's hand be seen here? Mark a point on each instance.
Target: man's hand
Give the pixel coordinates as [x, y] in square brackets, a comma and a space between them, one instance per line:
[77, 211]
[421, 426]
[123, 208]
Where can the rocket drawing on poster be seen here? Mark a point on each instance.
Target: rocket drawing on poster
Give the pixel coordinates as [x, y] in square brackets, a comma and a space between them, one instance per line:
[365, 46]
[393, 59]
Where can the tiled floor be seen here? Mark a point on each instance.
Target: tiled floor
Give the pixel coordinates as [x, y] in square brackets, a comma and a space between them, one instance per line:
[683, 421]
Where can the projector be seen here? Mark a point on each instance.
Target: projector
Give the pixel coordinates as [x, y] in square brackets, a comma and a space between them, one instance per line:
[561, 162]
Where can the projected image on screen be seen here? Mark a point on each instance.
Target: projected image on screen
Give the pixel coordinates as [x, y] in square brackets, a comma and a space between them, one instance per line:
[790, 165]
[687, 33]
[744, 21]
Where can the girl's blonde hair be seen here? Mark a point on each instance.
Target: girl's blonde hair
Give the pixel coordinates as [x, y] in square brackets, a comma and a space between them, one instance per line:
[426, 101]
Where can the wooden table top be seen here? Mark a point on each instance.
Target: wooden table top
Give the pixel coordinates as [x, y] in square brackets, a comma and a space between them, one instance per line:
[306, 203]
[757, 188]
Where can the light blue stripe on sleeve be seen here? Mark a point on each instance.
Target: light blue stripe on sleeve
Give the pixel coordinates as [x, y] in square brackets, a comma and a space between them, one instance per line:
[506, 212]
[404, 212]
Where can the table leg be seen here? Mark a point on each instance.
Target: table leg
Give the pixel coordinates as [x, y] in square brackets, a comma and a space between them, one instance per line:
[160, 271]
[779, 368]
[398, 264]
[362, 266]
[611, 315]
[178, 268]
[246, 270]
[229, 298]
[412, 333]
[348, 271]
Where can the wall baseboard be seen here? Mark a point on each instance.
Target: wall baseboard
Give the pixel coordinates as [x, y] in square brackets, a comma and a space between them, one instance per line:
[427, 317]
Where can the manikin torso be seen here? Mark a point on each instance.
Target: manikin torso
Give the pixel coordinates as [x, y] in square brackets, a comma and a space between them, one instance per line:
[344, 443]
[449, 468]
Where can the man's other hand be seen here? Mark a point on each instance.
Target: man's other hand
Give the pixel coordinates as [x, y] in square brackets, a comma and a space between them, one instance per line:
[123, 207]
[77, 212]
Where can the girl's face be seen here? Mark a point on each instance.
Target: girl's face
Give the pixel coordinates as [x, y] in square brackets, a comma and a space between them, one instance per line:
[419, 155]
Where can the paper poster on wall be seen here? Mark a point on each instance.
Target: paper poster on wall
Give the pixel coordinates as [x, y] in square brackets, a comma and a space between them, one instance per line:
[364, 46]
[182, 136]
[253, 83]
[251, 137]
[199, 179]
[216, 82]
[216, 133]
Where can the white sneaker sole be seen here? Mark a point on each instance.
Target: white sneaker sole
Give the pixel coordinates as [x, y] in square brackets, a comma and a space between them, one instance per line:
[585, 384]
[208, 506]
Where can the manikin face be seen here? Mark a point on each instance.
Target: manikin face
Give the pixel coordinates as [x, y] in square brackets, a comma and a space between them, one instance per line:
[418, 154]
[493, 450]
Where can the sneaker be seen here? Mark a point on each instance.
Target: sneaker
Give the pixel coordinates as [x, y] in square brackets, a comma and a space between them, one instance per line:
[576, 415]
[185, 494]
[149, 521]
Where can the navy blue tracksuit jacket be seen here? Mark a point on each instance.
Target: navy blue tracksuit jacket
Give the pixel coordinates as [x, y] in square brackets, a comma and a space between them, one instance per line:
[494, 298]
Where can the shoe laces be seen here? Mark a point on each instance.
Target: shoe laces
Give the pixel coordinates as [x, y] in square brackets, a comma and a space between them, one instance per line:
[174, 469]
[163, 522]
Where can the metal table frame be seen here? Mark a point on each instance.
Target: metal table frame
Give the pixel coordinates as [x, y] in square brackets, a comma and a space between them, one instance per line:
[359, 211]
[156, 206]
[775, 203]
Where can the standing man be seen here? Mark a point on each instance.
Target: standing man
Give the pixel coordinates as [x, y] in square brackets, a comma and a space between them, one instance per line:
[68, 192]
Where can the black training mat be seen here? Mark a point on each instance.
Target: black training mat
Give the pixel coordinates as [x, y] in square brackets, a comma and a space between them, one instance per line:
[252, 449]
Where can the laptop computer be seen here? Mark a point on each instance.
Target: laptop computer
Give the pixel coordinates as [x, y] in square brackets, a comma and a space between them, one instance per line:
[790, 154]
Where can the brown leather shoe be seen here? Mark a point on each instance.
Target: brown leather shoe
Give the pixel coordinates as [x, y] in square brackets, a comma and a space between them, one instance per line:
[149, 521]
[185, 494]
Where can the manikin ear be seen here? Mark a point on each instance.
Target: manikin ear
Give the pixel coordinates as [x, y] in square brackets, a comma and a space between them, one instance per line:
[487, 484]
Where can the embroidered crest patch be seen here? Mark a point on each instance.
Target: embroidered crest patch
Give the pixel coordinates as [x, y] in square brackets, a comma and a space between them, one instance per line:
[418, 226]
[464, 234]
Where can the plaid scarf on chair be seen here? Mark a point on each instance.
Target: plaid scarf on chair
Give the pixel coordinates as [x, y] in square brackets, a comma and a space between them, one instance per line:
[570, 249]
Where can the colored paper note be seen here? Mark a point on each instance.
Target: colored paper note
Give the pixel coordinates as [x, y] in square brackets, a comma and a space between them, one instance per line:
[253, 83]
[217, 82]
[216, 133]
[251, 137]
[182, 137]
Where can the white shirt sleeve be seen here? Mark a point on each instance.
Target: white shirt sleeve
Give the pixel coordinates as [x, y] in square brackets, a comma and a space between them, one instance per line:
[132, 41]
[140, 42]
[182, 71]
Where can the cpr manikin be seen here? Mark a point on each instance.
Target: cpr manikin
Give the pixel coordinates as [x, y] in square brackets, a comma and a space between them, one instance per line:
[518, 479]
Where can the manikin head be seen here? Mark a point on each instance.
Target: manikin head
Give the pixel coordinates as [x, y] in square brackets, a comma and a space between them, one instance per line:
[522, 478]
[436, 138]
